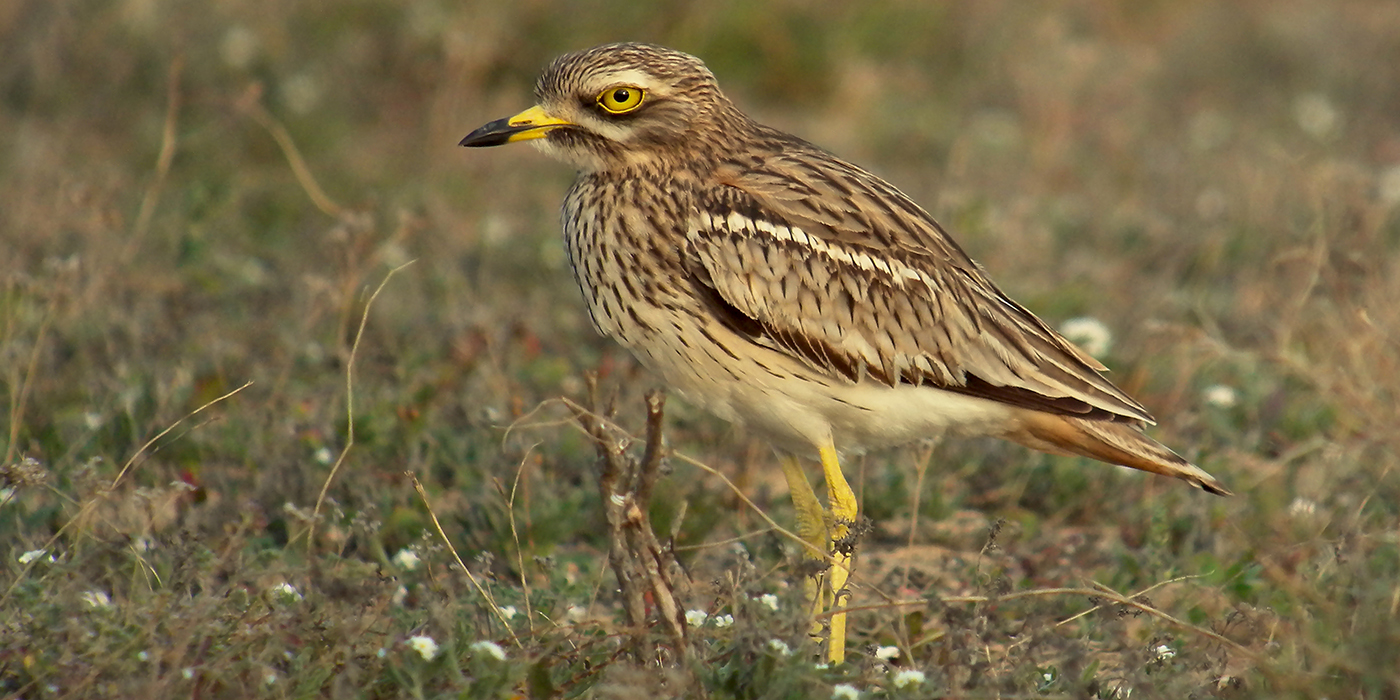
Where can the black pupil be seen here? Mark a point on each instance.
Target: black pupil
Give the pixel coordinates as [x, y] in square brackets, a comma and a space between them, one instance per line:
[621, 95]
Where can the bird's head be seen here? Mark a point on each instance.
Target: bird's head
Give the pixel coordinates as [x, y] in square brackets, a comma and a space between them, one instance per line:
[613, 106]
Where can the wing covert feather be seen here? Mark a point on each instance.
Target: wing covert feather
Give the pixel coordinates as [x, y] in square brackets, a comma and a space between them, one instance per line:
[844, 272]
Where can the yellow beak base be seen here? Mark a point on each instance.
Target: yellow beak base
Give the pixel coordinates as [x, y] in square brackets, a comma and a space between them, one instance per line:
[533, 123]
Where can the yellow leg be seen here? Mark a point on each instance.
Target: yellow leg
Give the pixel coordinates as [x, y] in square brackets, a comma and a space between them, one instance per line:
[828, 534]
[843, 518]
[811, 526]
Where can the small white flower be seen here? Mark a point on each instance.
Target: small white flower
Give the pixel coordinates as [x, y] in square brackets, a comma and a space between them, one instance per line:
[509, 612]
[491, 649]
[576, 613]
[31, 555]
[302, 92]
[286, 590]
[1302, 508]
[695, 618]
[887, 653]
[1090, 334]
[844, 691]
[908, 677]
[424, 645]
[769, 600]
[187, 673]
[1164, 652]
[406, 559]
[143, 656]
[381, 653]
[821, 665]
[270, 678]
[1220, 396]
[780, 646]
[323, 455]
[239, 47]
[400, 595]
[1388, 184]
[1315, 115]
[1048, 676]
[97, 600]
[722, 621]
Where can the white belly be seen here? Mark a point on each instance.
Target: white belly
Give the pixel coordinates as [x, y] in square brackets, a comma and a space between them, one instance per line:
[799, 408]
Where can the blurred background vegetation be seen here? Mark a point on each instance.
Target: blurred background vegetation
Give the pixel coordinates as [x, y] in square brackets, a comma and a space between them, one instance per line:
[194, 196]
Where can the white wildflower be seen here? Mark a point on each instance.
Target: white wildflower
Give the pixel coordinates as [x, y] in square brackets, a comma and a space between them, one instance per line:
[908, 677]
[286, 590]
[1088, 333]
[769, 600]
[400, 595]
[143, 656]
[424, 645]
[406, 559]
[1220, 396]
[722, 621]
[780, 646]
[489, 648]
[509, 612]
[270, 678]
[239, 47]
[1302, 508]
[97, 600]
[844, 691]
[695, 618]
[302, 92]
[576, 613]
[381, 653]
[887, 653]
[1164, 652]
[32, 554]
[1316, 115]
[323, 455]
[187, 673]
[1388, 185]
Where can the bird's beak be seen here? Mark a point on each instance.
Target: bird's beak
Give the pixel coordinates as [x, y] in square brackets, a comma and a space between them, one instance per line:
[533, 123]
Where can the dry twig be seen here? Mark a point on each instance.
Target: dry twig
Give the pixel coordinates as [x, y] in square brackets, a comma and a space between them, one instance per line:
[646, 571]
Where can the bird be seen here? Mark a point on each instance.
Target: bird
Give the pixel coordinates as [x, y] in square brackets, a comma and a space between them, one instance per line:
[780, 287]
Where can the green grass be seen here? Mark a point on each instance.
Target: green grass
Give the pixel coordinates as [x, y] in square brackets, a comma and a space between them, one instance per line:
[1218, 183]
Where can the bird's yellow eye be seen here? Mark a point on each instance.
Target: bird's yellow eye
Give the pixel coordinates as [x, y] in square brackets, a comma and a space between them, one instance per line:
[621, 100]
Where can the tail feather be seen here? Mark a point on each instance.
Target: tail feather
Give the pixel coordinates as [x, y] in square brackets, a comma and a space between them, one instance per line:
[1112, 442]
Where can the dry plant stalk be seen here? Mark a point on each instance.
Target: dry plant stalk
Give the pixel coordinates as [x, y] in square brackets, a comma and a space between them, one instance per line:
[643, 567]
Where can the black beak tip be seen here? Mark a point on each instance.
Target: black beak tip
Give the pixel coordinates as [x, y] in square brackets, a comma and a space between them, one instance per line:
[494, 134]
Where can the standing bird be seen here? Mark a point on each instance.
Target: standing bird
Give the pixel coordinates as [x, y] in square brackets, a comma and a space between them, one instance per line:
[781, 287]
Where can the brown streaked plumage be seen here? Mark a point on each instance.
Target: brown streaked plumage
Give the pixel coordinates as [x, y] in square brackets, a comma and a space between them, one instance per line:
[782, 287]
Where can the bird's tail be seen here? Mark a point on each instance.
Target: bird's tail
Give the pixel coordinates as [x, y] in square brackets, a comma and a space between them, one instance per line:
[1112, 442]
